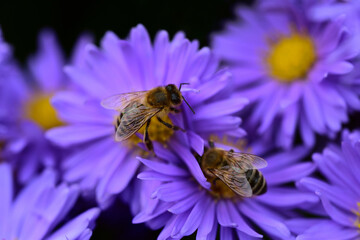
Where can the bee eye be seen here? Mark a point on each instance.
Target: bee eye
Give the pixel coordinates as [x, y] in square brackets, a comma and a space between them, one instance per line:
[175, 98]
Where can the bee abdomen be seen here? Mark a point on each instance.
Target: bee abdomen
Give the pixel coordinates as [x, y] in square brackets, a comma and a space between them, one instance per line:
[256, 181]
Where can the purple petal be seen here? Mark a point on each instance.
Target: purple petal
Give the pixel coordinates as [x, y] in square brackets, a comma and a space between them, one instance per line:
[167, 169]
[76, 134]
[206, 225]
[196, 216]
[47, 65]
[6, 193]
[175, 191]
[283, 197]
[191, 163]
[186, 203]
[120, 172]
[196, 142]
[77, 226]
[226, 233]
[289, 174]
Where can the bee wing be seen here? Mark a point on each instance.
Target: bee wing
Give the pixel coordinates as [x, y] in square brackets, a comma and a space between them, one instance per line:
[235, 180]
[133, 119]
[120, 101]
[245, 161]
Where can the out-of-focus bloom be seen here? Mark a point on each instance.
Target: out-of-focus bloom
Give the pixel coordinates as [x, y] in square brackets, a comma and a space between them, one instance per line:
[339, 192]
[35, 212]
[27, 111]
[130, 65]
[293, 68]
[173, 199]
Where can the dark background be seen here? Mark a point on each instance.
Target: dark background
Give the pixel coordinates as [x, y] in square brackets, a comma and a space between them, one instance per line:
[21, 21]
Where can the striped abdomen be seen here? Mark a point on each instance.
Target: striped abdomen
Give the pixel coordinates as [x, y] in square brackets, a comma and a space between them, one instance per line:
[257, 181]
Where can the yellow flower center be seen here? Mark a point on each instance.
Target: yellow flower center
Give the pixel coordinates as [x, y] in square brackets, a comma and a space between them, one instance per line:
[157, 131]
[291, 57]
[40, 111]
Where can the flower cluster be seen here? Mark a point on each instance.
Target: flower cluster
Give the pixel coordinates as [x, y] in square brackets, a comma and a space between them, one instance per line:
[158, 124]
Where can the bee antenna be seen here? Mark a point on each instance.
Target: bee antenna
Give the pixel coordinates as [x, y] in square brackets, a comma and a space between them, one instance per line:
[183, 84]
[188, 105]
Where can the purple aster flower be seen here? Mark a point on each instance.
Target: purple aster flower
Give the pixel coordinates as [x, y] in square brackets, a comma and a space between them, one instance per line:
[35, 212]
[173, 199]
[293, 69]
[339, 192]
[135, 64]
[27, 111]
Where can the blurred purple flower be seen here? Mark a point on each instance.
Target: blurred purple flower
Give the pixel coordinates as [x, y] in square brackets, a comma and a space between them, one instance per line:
[27, 111]
[293, 69]
[135, 64]
[38, 209]
[173, 199]
[339, 192]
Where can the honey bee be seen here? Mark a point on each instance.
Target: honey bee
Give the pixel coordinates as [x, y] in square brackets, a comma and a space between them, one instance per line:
[137, 108]
[239, 171]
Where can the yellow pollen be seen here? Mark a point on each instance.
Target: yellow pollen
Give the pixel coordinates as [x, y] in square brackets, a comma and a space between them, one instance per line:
[357, 213]
[157, 131]
[40, 111]
[291, 57]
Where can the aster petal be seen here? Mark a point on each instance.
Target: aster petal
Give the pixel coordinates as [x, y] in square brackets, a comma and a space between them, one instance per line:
[187, 203]
[191, 163]
[206, 225]
[313, 110]
[209, 89]
[328, 230]
[161, 46]
[330, 36]
[223, 215]
[155, 176]
[340, 67]
[75, 228]
[75, 108]
[179, 223]
[46, 210]
[177, 62]
[224, 123]
[221, 108]
[87, 82]
[196, 142]
[47, 65]
[27, 199]
[333, 193]
[163, 167]
[226, 233]
[306, 132]
[6, 193]
[289, 174]
[76, 134]
[300, 225]
[238, 219]
[269, 224]
[337, 215]
[115, 180]
[175, 191]
[283, 197]
[196, 216]
[140, 40]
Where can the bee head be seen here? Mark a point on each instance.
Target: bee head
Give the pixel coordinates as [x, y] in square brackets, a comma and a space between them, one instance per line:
[174, 93]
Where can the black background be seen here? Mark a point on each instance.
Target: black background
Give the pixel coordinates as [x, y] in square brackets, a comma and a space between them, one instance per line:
[21, 21]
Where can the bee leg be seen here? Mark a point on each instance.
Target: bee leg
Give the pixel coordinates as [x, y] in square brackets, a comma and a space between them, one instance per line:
[169, 125]
[174, 110]
[211, 144]
[146, 139]
[197, 156]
